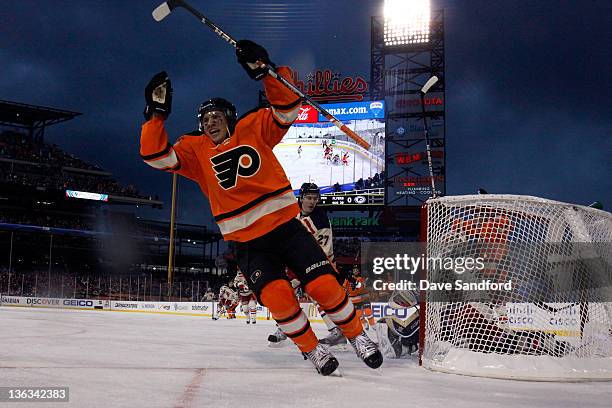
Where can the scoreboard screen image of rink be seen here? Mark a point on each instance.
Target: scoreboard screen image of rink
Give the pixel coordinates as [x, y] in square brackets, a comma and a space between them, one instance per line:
[316, 151]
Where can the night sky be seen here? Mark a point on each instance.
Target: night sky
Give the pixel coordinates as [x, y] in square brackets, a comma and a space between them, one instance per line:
[528, 108]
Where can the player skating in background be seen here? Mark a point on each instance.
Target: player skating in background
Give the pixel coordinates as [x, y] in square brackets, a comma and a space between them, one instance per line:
[228, 302]
[360, 296]
[253, 202]
[336, 159]
[345, 158]
[328, 151]
[299, 151]
[248, 303]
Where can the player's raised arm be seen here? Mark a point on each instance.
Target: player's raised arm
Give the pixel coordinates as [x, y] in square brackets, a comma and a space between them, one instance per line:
[155, 149]
[285, 105]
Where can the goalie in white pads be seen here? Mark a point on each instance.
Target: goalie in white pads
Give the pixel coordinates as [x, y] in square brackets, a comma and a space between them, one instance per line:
[398, 335]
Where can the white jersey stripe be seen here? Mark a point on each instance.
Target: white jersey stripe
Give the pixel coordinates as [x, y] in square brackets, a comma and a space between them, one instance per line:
[267, 207]
[343, 313]
[165, 162]
[295, 325]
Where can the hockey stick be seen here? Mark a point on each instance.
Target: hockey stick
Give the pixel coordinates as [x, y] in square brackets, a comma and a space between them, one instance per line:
[431, 82]
[164, 9]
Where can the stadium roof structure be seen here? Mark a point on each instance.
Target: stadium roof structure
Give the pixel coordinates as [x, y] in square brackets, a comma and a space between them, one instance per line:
[32, 117]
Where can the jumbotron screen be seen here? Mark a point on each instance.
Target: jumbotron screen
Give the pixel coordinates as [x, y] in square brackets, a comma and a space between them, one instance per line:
[316, 151]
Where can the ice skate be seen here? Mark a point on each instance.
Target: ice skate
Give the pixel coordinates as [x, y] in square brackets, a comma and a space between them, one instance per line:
[335, 338]
[322, 359]
[367, 350]
[277, 336]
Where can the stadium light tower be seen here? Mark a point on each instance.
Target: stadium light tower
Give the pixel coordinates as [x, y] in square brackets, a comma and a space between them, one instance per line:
[406, 22]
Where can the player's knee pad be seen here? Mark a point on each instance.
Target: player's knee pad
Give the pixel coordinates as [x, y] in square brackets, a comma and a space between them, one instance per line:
[334, 300]
[253, 304]
[279, 298]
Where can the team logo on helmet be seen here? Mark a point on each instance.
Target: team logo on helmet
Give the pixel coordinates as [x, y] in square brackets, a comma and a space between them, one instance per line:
[240, 161]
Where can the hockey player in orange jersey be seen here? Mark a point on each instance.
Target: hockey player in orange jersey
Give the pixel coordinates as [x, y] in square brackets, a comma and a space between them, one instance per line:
[253, 202]
[316, 222]
[359, 295]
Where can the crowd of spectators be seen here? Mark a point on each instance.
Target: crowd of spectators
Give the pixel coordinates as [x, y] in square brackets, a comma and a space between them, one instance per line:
[64, 284]
[48, 167]
[67, 221]
[377, 181]
[346, 246]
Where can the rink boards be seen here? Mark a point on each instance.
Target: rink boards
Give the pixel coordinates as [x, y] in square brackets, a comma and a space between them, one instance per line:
[204, 309]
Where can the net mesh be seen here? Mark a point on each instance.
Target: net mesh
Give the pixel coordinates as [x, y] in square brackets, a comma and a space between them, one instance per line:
[556, 322]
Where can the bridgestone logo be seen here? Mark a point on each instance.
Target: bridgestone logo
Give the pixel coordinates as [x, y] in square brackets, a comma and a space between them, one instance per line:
[317, 265]
[127, 305]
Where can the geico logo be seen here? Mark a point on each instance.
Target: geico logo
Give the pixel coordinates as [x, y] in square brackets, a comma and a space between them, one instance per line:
[126, 305]
[75, 302]
[563, 321]
[10, 300]
[198, 307]
[385, 310]
[520, 320]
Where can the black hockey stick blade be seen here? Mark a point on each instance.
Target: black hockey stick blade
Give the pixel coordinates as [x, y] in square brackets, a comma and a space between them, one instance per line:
[163, 10]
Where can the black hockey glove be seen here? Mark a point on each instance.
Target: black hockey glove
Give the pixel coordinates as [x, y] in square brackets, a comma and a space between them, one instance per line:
[158, 96]
[248, 54]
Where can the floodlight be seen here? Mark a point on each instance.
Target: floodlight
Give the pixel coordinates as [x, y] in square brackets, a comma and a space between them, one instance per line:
[406, 22]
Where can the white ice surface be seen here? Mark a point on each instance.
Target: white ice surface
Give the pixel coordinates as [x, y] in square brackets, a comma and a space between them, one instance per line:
[112, 359]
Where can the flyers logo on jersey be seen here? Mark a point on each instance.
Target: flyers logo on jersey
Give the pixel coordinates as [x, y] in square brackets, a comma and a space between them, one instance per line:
[240, 161]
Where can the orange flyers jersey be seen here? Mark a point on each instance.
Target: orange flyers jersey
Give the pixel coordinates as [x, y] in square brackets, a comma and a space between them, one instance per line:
[248, 189]
[357, 291]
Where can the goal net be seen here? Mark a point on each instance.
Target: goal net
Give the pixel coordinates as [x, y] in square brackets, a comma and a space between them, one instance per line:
[556, 321]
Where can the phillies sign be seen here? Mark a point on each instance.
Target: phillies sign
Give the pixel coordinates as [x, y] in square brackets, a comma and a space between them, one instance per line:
[330, 86]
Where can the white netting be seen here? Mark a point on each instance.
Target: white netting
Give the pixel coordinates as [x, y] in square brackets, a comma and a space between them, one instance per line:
[556, 324]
